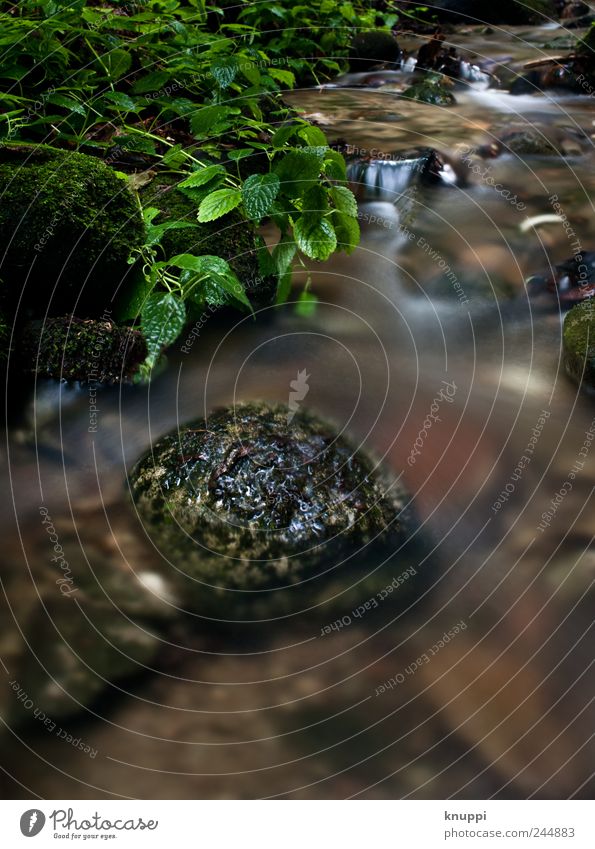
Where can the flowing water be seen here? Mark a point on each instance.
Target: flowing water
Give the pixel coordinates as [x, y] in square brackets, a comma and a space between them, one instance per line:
[429, 312]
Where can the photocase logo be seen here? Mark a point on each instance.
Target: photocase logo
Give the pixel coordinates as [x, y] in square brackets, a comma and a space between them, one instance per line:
[300, 389]
[32, 822]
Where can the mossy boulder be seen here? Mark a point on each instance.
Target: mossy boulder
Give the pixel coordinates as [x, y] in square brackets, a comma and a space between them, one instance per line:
[70, 348]
[579, 343]
[231, 237]
[68, 224]
[260, 513]
[433, 89]
[376, 47]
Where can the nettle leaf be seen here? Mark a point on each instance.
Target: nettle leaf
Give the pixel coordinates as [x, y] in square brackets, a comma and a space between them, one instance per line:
[334, 165]
[316, 200]
[117, 63]
[258, 194]
[202, 176]
[218, 283]
[313, 136]
[344, 200]
[315, 236]
[347, 230]
[162, 320]
[218, 203]
[224, 71]
[298, 170]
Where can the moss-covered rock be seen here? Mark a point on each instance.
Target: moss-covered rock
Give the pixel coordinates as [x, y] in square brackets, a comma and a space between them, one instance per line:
[231, 237]
[68, 224]
[376, 47]
[433, 88]
[579, 343]
[70, 348]
[262, 513]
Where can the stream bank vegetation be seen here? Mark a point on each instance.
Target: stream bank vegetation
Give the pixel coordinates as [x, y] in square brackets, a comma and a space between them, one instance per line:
[101, 100]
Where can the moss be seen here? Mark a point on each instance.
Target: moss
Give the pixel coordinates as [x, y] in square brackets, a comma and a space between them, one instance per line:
[434, 89]
[231, 237]
[66, 221]
[70, 348]
[579, 343]
[249, 507]
[376, 47]
[528, 142]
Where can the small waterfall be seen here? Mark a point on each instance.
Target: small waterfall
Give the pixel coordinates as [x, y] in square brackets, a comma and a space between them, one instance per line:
[387, 179]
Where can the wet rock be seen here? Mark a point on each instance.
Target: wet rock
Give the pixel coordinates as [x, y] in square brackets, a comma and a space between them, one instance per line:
[433, 88]
[573, 72]
[78, 616]
[261, 513]
[579, 344]
[369, 49]
[66, 221]
[573, 281]
[232, 237]
[70, 348]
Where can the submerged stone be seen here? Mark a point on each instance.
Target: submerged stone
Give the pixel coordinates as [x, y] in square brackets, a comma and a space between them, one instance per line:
[579, 343]
[252, 503]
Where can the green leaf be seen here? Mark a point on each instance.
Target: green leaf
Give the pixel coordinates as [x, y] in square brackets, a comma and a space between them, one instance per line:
[251, 72]
[117, 63]
[224, 71]
[315, 236]
[306, 304]
[258, 194]
[218, 282]
[283, 135]
[283, 255]
[316, 201]
[151, 82]
[298, 170]
[68, 103]
[344, 200]
[162, 320]
[202, 176]
[284, 77]
[313, 135]
[219, 203]
[334, 165]
[241, 153]
[130, 303]
[211, 120]
[122, 101]
[347, 230]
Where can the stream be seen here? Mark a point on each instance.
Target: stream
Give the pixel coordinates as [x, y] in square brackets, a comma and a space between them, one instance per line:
[433, 297]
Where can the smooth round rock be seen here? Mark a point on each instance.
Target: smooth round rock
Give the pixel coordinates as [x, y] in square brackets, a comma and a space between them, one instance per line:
[257, 500]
